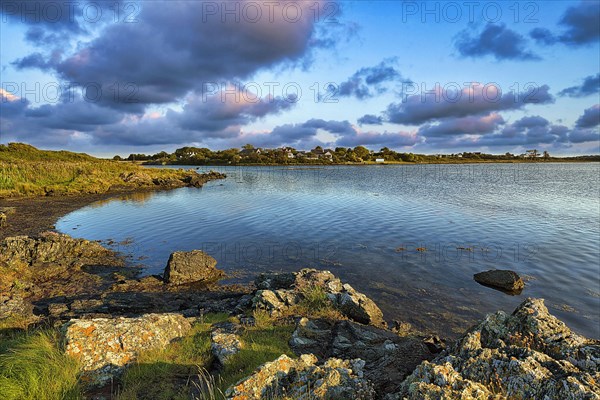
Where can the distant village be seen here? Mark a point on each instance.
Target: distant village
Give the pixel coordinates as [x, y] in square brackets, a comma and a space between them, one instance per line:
[340, 155]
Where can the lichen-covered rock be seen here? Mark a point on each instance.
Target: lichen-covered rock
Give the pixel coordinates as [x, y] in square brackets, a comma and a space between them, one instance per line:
[104, 346]
[192, 266]
[304, 379]
[279, 292]
[389, 358]
[529, 354]
[225, 341]
[503, 279]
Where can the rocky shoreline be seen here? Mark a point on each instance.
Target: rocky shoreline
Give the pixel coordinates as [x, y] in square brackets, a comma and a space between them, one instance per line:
[341, 345]
[107, 317]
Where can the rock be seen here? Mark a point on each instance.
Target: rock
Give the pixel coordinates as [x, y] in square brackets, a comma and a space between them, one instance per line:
[506, 280]
[274, 281]
[529, 354]
[190, 267]
[225, 341]
[389, 358]
[279, 292]
[358, 307]
[15, 305]
[55, 248]
[105, 346]
[195, 179]
[303, 379]
[137, 178]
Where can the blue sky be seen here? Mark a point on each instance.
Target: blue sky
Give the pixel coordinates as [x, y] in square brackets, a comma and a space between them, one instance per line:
[422, 77]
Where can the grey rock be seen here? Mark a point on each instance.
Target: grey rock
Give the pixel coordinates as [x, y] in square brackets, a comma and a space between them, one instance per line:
[304, 379]
[190, 267]
[529, 354]
[388, 357]
[279, 292]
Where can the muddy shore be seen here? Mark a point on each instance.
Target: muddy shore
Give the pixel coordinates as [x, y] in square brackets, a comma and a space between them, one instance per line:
[34, 215]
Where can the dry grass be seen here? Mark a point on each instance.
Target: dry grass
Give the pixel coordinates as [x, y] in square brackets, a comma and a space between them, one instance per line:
[27, 171]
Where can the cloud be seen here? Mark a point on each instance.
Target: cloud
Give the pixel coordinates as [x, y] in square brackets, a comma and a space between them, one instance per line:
[177, 47]
[370, 119]
[496, 40]
[369, 81]
[232, 107]
[581, 23]
[473, 100]
[590, 85]
[462, 126]
[590, 117]
[375, 139]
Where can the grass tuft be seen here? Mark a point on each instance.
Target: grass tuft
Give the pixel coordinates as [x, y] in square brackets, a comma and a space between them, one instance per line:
[35, 368]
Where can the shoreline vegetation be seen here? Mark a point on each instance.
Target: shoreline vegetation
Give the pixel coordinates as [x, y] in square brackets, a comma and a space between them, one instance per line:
[28, 172]
[359, 155]
[77, 322]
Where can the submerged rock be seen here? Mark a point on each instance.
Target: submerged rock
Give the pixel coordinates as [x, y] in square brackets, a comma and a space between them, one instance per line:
[279, 292]
[503, 279]
[104, 346]
[304, 379]
[529, 354]
[189, 267]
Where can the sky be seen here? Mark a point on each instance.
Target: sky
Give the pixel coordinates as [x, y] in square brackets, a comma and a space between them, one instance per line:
[120, 77]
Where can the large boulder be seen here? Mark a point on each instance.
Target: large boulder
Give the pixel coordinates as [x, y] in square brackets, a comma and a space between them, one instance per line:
[192, 266]
[529, 354]
[502, 279]
[104, 346]
[277, 293]
[389, 358]
[304, 379]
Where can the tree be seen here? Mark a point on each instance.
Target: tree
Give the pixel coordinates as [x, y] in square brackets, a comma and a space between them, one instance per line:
[546, 155]
[248, 146]
[117, 158]
[533, 154]
[362, 152]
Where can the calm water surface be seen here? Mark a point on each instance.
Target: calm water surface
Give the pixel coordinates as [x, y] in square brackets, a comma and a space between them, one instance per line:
[365, 223]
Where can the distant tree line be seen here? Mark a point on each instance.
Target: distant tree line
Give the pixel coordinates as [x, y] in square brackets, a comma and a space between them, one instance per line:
[340, 155]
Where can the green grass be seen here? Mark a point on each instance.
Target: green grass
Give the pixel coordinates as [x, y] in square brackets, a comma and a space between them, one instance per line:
[171, 373]
[27, 171]
[33, 367]
[33, 364]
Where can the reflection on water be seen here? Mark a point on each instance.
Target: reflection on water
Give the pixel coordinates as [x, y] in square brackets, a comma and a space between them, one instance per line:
[409, 236]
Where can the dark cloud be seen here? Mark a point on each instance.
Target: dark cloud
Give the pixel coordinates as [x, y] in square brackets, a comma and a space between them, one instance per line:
[369, 82]
[370, 119]
[462, 126]
[590, 85]
[496, 40]
[581, 23]
[590, 117]
[177, 47]
[474, 100]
